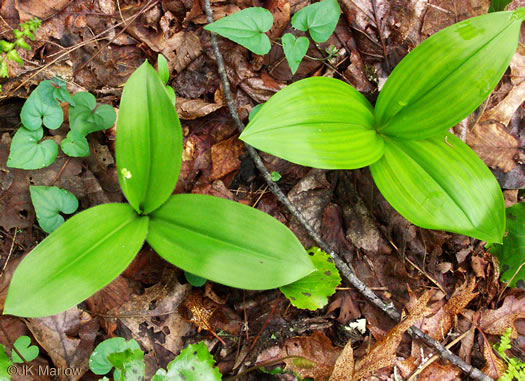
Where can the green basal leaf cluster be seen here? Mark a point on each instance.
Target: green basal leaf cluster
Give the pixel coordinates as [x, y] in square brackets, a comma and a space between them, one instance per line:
[42, 109]
[515, 368]
[209, 237]
[8, 51]
[194, 363]
[427, 174]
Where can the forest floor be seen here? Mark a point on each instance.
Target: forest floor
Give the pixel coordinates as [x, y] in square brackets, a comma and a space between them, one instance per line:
[86, 44]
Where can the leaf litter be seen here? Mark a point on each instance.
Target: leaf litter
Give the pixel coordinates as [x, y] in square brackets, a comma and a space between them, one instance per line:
[398, 260]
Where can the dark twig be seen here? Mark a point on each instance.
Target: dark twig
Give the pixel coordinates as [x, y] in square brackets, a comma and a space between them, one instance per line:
[346, 269]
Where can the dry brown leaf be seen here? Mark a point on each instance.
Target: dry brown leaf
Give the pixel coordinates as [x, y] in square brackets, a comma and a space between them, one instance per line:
[438, 325]
[281, 15]
[496, 322]
[494, 366]
[219, 12]
[42, 9]
[383, 353]
[344, 366]
[225, 157]
[437, 371]
[68, 338]
[189, 109]
[318, 351]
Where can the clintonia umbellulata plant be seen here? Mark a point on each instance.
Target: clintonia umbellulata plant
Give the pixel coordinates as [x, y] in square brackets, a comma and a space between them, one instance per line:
[214, 238]
[428, 175]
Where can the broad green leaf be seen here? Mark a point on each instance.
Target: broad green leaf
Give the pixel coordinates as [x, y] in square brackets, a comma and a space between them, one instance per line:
[448, 76]
[511, 254]
[194, 363]
[227, 242]
[320, 19]
[5, 365]
[23, 346]
[498, 5]
[78, 259]
[84, 118]
[312, 291]
[294, 50]
[42, 106]
[28, 153]
[49, 202]
[163, 69]
[148, 142]
[247, 28]
[98, 361]
[440, 183]
[317, 122]
[194, 280]
[129, 365]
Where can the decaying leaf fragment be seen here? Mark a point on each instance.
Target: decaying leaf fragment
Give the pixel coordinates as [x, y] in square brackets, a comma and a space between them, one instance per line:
[383, 353]
[495, 322]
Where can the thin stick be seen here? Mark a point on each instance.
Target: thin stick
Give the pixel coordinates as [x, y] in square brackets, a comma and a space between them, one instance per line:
[345, 268]
[10, 252]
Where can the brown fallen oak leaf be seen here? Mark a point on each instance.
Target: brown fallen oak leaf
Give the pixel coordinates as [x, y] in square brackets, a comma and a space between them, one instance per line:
[42, 9]
[316, 356]
[437, 371]
[494, 366]
[189, 109]
[225, 157]
[496, 322]
[68, 338]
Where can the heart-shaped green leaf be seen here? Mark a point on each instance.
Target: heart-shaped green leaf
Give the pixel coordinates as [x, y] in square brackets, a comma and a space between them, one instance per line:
[294, 50]
[148, 142]
[49, 202]
[511, 254]
[320, 19]
[85, 118]
[28, 153]
[42, 106]
[317, 122]
[194, 363]
[312, 291]
[24, 347]
[215, 239]
[78, 259]
[440, 183]
[103, 358]
[247, 28]
[447, 76]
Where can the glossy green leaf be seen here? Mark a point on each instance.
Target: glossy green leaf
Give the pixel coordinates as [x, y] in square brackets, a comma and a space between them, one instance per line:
[129, 365]
[5, 365]
[511, 254]
[320, 19]
[227, 242]
[194, 363]
[23, 346]
[294, 49]
[440, 183]
[78, 259]
[448, 76]
[84, 118]
[312, 291]
[98, 361]
[42, 106]
[163, 69]
[49, 202]
[194, 280]
[149, 141]
[247, 28]
[498, 5]
[27, 153]
[317, 122]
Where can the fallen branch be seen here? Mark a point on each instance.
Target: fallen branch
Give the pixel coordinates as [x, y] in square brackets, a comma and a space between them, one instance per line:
[346, 269]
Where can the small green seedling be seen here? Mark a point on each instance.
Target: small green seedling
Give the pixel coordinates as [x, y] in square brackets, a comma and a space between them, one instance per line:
[42, 108]
[428, 175]
[511, 254]
[211, 237]
[248, 27]
[49, 202]
[515, 368]
[276, 176]
[194, 363]
[8, 49]
[27, 351]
